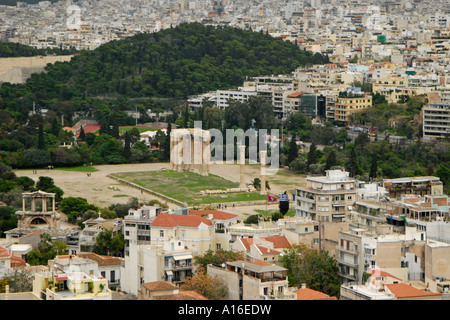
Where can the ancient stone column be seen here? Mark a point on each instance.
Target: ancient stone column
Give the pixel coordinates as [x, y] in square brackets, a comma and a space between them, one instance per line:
[263, 171]
[242, 166]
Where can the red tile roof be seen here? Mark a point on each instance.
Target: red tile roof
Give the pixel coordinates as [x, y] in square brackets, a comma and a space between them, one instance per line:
[296, 94]
[247, 242]
[216, 214]
[15, 261]
[182, 295]
[403, 290]
[102, 260]
[89, 128]
[382, 274]
[174, 220]
[160, 286]
[310, 294]
[279, 242]
[265, 250]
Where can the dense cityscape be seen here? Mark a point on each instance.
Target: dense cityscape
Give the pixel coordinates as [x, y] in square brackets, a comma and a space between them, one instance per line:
[225, 150]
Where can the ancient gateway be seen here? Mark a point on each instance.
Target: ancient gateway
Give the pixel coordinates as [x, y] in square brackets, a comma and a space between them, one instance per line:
[38, 211]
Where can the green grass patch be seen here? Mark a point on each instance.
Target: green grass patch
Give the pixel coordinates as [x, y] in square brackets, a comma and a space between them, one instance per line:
[79, 169]
[126, 129]
[186, 186]
[268, 213]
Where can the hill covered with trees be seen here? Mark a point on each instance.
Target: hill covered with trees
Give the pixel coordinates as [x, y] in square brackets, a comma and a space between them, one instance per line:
[12, 49]
[125, 75]
[175, 62]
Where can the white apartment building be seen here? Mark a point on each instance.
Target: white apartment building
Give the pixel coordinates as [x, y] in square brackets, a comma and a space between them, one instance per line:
[359, 250]
[254, 281]
[241, 95]
[160, 261]
[137, 223]
[436, 120]
[326, 198]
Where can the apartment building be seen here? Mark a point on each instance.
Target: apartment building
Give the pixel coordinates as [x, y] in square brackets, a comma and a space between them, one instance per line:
[241, 95]
[137, 225]
[437, 261]
[266, 249]
[50, 285]
[383, 285]
[436, 120]
[197, 232]
[326, 198]
[345, 106]
[253, 280]
[367, 214]
[168, 260]
[413, 185]
[222, 221]
[360, 250]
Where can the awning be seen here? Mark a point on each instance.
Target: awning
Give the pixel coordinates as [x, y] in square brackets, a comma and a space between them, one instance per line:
[183, 257]
[169, 273]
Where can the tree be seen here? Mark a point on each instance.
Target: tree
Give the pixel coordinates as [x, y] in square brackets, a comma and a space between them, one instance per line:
[107, 244]
[8, 219]
[82, 135]
[373, 168]
[41, 139]
[312, 156]
[353, 167]
[331, 160]
[293, 150]
[212, 287]
[47, 184]
[166, 151]
[19, 280]
[317, 269]
[256, 183]
[127, 146]
[43, 252]
[216, 257]
[74, 207]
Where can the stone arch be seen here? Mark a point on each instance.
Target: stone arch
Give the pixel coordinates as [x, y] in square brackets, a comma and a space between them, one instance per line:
[38, 221]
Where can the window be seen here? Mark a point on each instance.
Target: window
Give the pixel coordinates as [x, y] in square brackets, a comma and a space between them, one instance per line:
[161, 233]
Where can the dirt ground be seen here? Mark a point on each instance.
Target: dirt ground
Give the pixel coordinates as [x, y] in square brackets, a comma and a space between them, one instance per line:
[102, 191]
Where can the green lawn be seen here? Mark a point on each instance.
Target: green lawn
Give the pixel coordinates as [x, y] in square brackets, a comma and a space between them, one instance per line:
[125, 129]
[186, 186]
[79, 168]
[268, 213]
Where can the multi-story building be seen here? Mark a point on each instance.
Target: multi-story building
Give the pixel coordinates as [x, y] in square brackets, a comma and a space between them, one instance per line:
[349, 104]
[326, 198]
[137, 223]
[253, 280]
[222, 221]
[241, 95]
[360, 250]
[198, 233]
[427, 185]
[436, 120]
[168, 260]
[52, 285]
[382, 285]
